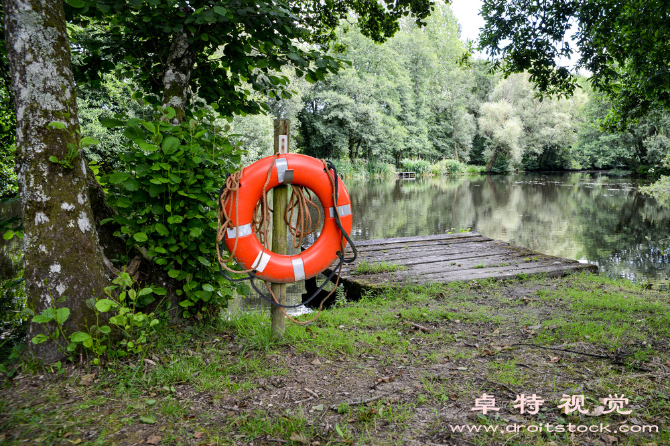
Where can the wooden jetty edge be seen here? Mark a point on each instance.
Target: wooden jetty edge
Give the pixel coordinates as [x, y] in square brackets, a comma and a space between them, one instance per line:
[448, 258]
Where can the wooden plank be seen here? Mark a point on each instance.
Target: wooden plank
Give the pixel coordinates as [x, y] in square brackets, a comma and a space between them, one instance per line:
[431, 254]
[447, 258]
[422, 238]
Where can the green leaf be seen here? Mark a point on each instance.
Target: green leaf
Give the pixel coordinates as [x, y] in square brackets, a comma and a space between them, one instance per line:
[147, 147]
[118, 177]
[56, 125]
[208, 287]
[170, 144]
[118, 320]
[39, 339]
[79, 336]
[110, 123]
[173, 273]
[220, 10]
[148, 419]
[87, 141]
[162, 230]
[145, 291]
[174, 178]
[159, 291]
[204, 261]
[149, 126]
[42, 319]
[175, 219]
[140, 237]
[88, 343]
[76, 3]
[53, 159]
[104, 305]
[8, 235]
[62, 314]
[132, 185]
[105, 329]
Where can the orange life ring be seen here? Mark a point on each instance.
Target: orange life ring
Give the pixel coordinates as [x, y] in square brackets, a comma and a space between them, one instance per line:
[310, 173]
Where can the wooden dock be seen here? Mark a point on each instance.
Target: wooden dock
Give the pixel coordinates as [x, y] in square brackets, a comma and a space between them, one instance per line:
[448, 258]
[407, 175]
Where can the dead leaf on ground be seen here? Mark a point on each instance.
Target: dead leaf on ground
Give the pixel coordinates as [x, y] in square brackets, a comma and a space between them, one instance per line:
[154, 439]
[198, 434]
[608, 439]
[554, 359]
[299, 437]
[149, 361]
[596, 412]
[316, 362]
[87, 380]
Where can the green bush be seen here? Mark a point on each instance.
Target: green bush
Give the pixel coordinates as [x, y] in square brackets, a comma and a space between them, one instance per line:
[447, 167]
[347, 169]
[166, 197]
[474, 170]
[378, 169]
[420, 167]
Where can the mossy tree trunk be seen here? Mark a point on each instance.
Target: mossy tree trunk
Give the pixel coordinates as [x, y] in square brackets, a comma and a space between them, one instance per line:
[62, 253]
[179, 66]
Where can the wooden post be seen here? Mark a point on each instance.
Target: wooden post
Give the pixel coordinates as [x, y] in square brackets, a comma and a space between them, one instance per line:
[279, 230]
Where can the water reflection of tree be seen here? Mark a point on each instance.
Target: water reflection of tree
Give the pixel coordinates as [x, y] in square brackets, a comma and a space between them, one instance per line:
[575, 216]
[626, 232]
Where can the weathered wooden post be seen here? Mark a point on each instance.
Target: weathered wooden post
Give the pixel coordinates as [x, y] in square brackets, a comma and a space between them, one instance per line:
[279, 231]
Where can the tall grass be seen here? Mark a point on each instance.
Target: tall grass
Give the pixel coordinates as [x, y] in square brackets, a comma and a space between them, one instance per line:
[420, 167]
[363, 169]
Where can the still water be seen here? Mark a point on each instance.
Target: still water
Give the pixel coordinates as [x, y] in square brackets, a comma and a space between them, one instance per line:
[590, 217]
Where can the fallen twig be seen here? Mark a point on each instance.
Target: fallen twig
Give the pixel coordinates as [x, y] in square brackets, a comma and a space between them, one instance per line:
[498, 384]
[358, 403]
[233, 408]
[316, 395]
[302, 401]
[567, 351]
[418, 327]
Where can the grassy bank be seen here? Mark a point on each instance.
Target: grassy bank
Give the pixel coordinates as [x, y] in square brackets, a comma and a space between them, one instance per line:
[417, 358]
[363, 169]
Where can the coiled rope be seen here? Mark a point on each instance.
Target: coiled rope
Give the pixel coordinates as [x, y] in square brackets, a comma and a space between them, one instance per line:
[299, 206]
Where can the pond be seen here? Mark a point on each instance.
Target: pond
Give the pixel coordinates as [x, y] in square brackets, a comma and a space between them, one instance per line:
[590, 217]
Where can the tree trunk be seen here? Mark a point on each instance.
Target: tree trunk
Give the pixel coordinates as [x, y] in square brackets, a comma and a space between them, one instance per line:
[492, 160]
[61, 249]
[453, 131]
[179, 67]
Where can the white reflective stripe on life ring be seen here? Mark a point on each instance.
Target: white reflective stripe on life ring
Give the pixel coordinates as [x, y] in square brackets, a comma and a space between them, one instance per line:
[240, 231]
[298, 269]
[261, 261]
[343, 210]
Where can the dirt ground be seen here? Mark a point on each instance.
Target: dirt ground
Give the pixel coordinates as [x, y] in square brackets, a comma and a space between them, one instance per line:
[404, 368]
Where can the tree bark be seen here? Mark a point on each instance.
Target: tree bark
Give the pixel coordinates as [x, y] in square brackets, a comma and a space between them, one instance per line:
[453, 131]
[179, 67]
[492, 160]
[61, 249]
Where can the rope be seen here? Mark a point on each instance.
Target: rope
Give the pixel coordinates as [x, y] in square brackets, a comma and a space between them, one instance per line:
[299, 205]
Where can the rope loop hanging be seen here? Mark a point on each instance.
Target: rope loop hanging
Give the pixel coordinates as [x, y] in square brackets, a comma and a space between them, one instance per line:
[245, 229]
